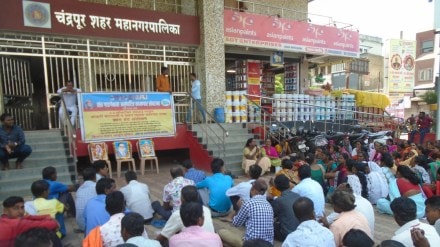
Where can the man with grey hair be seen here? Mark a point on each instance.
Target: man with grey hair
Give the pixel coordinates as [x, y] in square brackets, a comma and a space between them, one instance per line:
[171, 194]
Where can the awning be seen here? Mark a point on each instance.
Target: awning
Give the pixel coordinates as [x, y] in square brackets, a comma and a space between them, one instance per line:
[424, 86]
[426, 57]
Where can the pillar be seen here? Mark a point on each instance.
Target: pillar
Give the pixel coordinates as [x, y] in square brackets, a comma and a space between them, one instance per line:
[210, 56]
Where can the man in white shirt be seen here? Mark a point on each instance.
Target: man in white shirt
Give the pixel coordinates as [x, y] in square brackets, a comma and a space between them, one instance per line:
[174, 224]
[309, 232]
[405, 215]
[195, 93]
[311, 189]
[137, 196]
[111, 230]
[84, 193]
[432, 211]
[242, 191]
[132, 229]
[69, 95]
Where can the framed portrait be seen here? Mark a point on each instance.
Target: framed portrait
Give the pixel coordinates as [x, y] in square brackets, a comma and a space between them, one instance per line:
[146, 148]
[122, 150]
[98, 151]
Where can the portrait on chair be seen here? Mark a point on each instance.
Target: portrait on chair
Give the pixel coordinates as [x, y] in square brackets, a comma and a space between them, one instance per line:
[146, 147]
[122, 150]
[98, 151]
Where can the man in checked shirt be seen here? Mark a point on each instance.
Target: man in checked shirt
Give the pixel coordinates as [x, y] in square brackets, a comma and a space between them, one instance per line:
[257, 216]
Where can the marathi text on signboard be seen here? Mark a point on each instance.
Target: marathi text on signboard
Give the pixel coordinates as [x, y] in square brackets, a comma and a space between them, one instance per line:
[122, 116]
[401, 65]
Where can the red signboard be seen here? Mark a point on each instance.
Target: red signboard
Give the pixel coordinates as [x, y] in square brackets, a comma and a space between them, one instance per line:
[264, 31]
[71, 17]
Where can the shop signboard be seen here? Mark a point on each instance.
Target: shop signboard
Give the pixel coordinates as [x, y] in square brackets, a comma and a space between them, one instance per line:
[123, 116]
[253, 73]
[401, 67]
[67, 17]
[255, 30]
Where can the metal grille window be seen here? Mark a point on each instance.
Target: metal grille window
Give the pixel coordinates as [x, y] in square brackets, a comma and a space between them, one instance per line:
[93, 65]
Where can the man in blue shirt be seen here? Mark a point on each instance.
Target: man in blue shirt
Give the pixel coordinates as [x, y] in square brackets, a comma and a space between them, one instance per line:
[59, 190]
[191, 172]
[12, 142]
[94, 212]
[217, 184]
[195, 93]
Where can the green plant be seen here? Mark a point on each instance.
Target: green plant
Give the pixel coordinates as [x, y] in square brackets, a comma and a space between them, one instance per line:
[430, 97]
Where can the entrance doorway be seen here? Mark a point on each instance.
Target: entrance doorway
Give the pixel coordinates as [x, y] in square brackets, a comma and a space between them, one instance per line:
[34, 67]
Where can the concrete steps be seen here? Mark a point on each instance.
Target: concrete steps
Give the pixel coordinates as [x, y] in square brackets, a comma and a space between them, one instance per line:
[234, 143]
[49, 148]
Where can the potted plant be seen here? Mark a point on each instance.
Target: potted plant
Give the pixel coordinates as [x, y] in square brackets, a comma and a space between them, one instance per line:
[430, 97]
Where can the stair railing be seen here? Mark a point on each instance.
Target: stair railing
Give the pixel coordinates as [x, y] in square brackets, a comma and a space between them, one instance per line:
[209, 134]
[272, 127]
[331, 123]
[69, 132]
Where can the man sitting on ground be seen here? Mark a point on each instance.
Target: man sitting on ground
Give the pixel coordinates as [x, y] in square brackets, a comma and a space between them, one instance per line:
[242, 191]
[132, 230]
[432, 211]
[256, 214]
[285, 220]
[193, 234]
[191, 172]
[84, 193]
[41, 205]
[137, 196]
[13, 222]
[101, 168]
[309, 232]
[12, 143]
[405, 214]
[38, 237]
[217, 185]
[59, 190]
[94, 212]
[311, 189]
[110, 231]
[171, 194]
[175, 224]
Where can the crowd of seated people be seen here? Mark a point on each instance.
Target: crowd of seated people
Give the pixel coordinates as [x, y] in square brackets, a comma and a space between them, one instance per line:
[286, 205]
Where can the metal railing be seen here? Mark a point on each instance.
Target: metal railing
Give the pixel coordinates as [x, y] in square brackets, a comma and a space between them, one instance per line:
[334, 119]
[269, 123]
[210, 135]
[70, 133]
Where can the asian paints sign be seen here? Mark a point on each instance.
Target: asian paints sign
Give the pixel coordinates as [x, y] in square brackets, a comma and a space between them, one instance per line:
[264, 31]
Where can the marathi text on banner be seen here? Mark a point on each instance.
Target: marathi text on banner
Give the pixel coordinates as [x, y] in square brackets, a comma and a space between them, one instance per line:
[122, 116]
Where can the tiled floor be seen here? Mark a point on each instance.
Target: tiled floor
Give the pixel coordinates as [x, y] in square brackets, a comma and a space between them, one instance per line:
[384, 225]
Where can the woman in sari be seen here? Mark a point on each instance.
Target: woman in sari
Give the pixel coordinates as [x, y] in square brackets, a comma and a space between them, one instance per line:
[272, 154]
[254, 155]
[406, 185]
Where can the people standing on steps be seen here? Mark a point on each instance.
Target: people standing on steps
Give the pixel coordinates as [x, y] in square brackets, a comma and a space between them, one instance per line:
[196, 95]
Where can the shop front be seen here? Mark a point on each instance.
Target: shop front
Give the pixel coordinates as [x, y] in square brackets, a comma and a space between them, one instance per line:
[268, 59]
[99, 47]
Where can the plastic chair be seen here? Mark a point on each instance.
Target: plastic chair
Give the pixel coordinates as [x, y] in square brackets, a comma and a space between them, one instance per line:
[99, 151]
[146, 152]
[123, 155]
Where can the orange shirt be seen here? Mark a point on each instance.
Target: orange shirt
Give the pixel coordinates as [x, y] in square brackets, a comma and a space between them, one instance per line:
[163, 84]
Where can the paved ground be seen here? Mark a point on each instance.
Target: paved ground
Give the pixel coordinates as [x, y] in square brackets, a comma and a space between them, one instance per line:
[384, 226]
